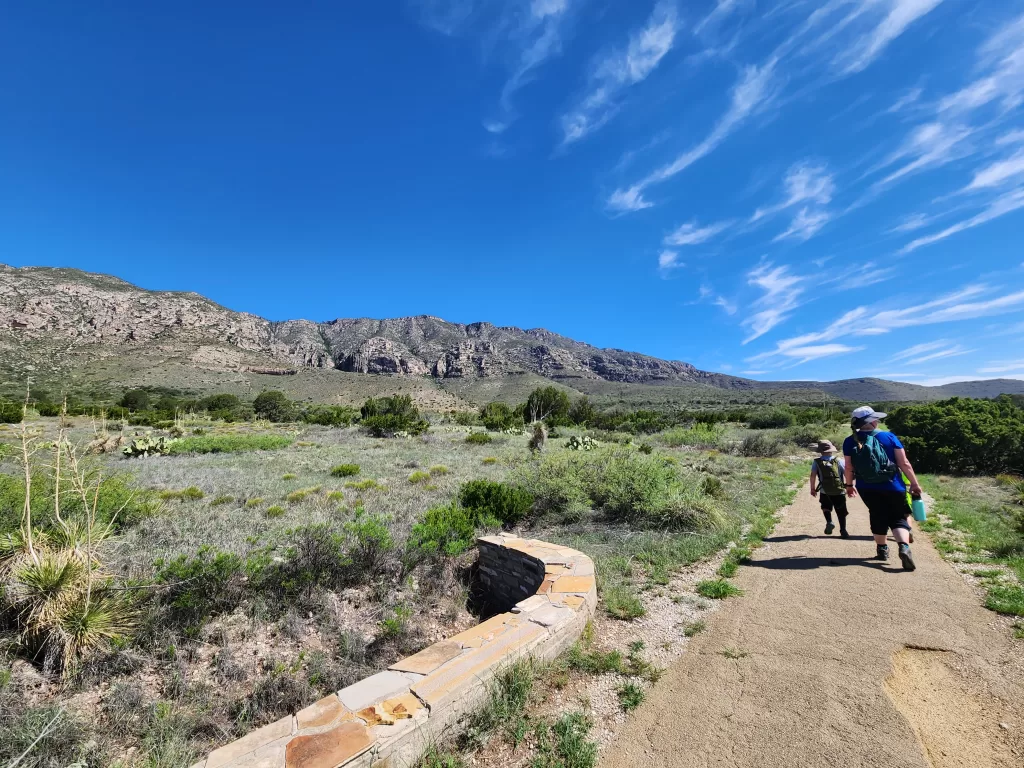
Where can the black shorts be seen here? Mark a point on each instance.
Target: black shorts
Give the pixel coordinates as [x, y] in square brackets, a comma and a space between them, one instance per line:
[828, 503]
[887, 509]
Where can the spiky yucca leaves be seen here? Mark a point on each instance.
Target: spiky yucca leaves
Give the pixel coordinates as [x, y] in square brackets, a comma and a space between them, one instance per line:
[53, 586]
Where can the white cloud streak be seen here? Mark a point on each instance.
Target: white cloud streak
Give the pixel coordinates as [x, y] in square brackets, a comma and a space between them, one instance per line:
[807, 223]
[669, 260]
[781, 295]
[694, 234]
[1003, 366]
[902, 13]
[999, 172]
[620, 70]
[1007, 203]
[752, 92]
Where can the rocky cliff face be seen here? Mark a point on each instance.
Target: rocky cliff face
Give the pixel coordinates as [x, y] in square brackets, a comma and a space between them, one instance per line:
[61, 309]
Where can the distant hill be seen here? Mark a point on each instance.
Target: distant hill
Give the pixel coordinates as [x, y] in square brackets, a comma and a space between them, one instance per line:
[69, 328]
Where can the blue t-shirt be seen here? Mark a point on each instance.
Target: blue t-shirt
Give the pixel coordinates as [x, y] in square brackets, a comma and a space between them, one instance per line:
[890, 443]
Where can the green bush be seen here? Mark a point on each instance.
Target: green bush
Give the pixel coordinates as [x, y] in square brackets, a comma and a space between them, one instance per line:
[697, 436]
[370, 541]
[717, 589]
[498, 417]
[763, 445]
[771, 418]
[963, 436]
[273, 406]
[419, 477]
[345, 470]
[203, 585]
[389, 416]
[119, 502]
[447, 530]
[582, 412]
[135, 400]
[10, 413]
[48, 409]
[505, 503]
[330, 415]
[478, 438]
[229, 443]
[223, 402]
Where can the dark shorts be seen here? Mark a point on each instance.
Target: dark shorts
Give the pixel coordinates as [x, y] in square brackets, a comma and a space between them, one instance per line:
[828, 503]
[888, 509]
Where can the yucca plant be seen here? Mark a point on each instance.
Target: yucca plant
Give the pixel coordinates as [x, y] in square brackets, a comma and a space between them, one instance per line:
[53, 586]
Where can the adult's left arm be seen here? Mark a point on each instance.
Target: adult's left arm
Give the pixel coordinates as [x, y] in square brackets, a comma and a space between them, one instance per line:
[904, 464]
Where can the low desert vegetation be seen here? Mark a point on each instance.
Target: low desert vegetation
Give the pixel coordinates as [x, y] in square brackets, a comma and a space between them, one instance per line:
[252, 548]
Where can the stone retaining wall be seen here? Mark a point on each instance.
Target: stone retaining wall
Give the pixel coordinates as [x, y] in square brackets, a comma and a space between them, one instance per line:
[390, 718]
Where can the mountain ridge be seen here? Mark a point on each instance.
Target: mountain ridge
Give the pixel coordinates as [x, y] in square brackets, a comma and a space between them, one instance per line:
[65, 321]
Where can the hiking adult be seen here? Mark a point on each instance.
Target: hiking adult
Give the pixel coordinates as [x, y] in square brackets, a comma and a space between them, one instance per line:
[828, 473]
[875, 459]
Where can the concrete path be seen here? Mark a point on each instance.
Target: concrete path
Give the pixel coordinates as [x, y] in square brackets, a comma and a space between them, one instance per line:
[837, 660]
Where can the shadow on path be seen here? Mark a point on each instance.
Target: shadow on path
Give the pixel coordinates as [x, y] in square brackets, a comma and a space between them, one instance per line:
[808, 537]
[800, 563]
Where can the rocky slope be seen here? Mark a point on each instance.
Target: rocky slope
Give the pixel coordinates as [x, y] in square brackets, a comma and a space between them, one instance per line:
[55, 323]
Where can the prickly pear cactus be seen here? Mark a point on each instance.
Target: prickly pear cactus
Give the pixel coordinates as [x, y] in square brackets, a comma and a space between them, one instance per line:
[585, 443]
[147, 445]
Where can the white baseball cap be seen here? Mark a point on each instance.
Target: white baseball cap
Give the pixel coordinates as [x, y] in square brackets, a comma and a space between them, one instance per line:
[866, 414]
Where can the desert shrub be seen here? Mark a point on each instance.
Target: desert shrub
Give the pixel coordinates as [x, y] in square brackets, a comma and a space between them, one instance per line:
[277, 693]
[345, 470]
[771, 418]
[446, 530]
[439, 469]
[135, 400]
[466, 418]
[229, 443]
[566, 743]
[508, 694]
[699, 435]
[805, 435]
[419, 477]
[582, 412]
[274, 406]
[200, 586]
[222, 402]
[274, 511]
[369, 484]
[489, 460]
[254, 502]
[498, 416]
[506, 503]
[624, 484]
[300, 495]
[963, 436]
[191, 493]
[763, 444]
[547, 404]
[330, 415]
[119, 502]
[10, 413]
[370, 541]
[387, 416]
[221, 500]
[43, 737]
[48, 409]
[478, 438]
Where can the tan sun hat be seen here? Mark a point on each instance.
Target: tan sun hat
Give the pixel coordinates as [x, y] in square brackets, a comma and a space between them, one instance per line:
[825, 446]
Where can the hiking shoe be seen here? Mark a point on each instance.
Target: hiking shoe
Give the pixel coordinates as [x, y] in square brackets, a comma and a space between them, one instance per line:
[829, 527]
[844, 533]
[907, 559]
[882, 551]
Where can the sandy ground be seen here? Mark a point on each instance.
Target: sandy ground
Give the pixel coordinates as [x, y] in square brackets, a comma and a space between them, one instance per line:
[832, 658]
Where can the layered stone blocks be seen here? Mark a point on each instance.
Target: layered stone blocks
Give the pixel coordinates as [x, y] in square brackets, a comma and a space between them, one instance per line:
[547, 594]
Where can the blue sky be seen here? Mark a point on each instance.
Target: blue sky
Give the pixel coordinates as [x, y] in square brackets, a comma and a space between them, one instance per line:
[790, 190]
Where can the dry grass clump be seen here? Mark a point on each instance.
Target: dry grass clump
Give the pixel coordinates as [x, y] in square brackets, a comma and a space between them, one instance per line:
[300, 495]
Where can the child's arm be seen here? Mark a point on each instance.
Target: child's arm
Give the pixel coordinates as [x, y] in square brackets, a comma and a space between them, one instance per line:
[814, 480]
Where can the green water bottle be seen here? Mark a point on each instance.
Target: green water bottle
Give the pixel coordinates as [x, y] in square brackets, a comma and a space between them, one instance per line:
[917, 507]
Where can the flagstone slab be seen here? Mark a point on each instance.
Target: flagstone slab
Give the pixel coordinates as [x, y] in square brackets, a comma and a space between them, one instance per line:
[573, 584]
[429, 659]
[329, 749]
[324, 712]
[551, 615]
[375, 688]
[250, 743]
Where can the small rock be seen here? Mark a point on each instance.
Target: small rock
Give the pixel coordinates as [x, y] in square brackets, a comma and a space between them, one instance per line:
[1005, 726]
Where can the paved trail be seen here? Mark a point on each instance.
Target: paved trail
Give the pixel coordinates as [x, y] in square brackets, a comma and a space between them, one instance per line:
[849, 662]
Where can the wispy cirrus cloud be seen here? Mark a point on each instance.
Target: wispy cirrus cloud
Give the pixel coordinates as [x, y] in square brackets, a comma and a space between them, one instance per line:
[967, 303]
[1003, 366]
[753, 91]
[868, 46]
[692, 233]
[805, 225]
[614, 73]
[805, 182]
[927, 352]
[668, 260]
[999, 172]
[1000, 66]
[781, 292]
[1002, 205]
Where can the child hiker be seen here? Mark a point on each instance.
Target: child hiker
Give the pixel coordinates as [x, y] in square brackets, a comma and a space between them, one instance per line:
[827, 476]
